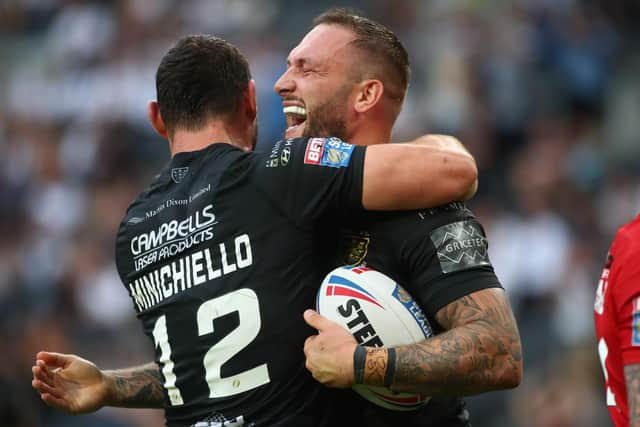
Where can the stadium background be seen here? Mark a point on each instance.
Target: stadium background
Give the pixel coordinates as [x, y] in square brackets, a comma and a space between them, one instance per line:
[545, 94]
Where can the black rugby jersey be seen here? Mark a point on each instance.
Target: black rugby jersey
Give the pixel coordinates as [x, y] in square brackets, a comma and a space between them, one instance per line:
[221, 255]
[438, 255]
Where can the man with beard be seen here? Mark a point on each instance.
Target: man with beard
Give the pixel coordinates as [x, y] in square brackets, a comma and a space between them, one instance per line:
[224, 239]
[439, 255]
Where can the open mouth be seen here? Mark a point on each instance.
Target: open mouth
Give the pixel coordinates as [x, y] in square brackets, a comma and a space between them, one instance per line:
[295, 115]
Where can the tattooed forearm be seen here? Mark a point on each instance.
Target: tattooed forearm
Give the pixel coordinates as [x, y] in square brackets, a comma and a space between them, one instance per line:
[375, 366]
[139, 387]
[632, 376]
[480, 351]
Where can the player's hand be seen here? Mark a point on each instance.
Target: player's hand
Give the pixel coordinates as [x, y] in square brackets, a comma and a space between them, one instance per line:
[69, 383]
[330, 353]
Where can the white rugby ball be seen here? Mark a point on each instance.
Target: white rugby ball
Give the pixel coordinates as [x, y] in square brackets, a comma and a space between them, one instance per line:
[377, 312]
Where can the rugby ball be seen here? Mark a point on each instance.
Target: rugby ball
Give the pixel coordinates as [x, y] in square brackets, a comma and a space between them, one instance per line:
[378, 312]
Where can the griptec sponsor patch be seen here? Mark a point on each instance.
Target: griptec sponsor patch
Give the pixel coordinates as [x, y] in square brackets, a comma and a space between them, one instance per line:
[460, 246]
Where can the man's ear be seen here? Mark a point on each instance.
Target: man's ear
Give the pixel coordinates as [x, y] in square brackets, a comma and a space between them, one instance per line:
[368, 95]
[155, 118]
[250, 103]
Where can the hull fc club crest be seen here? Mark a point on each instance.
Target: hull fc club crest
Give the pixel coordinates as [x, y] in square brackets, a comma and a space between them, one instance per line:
[353, 248]
[178, 174]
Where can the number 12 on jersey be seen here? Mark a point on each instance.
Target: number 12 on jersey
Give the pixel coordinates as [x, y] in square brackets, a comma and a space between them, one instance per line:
[245, 303]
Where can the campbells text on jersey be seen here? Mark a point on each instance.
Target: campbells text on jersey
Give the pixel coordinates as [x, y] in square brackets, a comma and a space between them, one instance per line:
[172, 237]
[191, 270]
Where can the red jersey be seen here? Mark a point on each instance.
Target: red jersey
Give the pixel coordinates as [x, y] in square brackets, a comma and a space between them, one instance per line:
[617, 317]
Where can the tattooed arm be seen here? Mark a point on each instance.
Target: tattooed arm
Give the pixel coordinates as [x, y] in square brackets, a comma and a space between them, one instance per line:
[480, 351]
[632, 376]
[137, 387]
[75, 385]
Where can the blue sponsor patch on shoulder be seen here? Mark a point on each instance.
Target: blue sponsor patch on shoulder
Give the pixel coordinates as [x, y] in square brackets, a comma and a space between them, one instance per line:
[337, 153]
[636, 330]
[635, 327]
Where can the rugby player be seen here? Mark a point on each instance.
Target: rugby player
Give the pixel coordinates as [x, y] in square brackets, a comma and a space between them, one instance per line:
[617, 318]
[224, 248]
[439, 255]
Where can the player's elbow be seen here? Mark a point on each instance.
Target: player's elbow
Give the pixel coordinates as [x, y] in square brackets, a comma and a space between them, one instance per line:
[516, 358]
[513, 377]
[464, 177]
[506, 370]
[471, 191]
[511, 373]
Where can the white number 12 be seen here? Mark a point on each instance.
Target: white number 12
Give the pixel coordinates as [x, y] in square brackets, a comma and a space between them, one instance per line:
[245, 302]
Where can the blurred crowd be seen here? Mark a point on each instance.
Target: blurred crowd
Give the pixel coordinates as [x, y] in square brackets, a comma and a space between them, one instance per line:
[544, 93]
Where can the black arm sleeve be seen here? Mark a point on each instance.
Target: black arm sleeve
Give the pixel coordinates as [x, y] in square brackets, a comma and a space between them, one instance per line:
[308, 177]
[447, 263]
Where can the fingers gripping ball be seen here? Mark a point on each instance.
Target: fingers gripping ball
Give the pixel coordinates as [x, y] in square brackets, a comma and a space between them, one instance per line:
[377, 312]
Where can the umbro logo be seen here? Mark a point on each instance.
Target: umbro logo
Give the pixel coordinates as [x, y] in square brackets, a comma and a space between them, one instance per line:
[178, 174]
[135, 220]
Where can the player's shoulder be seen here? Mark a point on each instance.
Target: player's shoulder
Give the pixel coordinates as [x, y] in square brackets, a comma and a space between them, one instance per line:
[449, 212]
[158, 184]
[627, 237]
[621, 261]
[279, 153]
[184, 177]
[307, 151]
[147, 204]
[630, 229]
[424, 219]
[278, 144]
[415, 227]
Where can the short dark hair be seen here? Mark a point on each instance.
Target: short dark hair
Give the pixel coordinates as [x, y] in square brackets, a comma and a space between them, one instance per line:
[201, 77]
[379, 42]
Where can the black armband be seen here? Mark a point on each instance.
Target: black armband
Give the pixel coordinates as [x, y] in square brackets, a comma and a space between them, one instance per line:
[391, 367]
[359, 359]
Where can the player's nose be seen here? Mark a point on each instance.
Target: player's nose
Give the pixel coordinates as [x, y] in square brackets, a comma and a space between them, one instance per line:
[285, 84]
